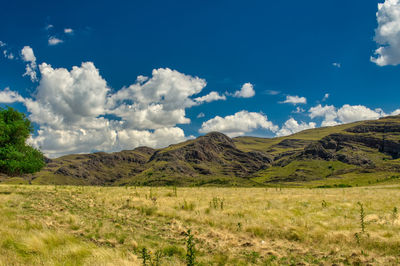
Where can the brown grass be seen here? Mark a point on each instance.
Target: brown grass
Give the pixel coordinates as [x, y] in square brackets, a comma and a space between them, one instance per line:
[70, 225]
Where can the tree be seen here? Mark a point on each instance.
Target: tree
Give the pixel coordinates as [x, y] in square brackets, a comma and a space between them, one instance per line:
[16, 157]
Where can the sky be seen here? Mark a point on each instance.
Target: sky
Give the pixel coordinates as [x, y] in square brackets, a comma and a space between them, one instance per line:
[114, 75]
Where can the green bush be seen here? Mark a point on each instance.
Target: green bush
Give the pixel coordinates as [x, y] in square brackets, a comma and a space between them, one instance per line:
[16, 157]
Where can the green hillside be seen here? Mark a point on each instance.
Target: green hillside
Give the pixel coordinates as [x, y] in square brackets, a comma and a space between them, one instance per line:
[356, 154]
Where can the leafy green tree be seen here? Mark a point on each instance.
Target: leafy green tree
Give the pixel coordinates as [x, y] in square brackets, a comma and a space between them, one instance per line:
[16, 157]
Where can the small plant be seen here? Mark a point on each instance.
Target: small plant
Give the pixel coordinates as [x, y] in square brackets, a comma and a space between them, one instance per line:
[147, 259]
[394, 215]
[324, 204]
[357, 237]
[145, 256]
[217, 203]
[188, 206]
[190, 249]
[362, 217]
[239, 226]
[154, 199]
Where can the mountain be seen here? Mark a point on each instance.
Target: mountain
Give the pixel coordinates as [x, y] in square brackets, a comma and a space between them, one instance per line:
[359, 153]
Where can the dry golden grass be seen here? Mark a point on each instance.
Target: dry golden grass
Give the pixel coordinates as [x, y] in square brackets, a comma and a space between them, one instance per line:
[70, 225]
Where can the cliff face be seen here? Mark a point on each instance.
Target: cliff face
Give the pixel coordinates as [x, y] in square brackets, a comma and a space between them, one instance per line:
[217, 159]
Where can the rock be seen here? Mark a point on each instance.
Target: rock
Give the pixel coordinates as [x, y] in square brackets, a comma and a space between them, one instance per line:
[316, 150]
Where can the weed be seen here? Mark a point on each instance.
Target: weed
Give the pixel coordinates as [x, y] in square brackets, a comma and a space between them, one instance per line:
[190, 249]
[253, 256]
[148, 210]
[394, 215]
[145, 256]
[357, 237]
[154, 199]
[188, 206]
[362, 217]
[217, 203]
[239, 226]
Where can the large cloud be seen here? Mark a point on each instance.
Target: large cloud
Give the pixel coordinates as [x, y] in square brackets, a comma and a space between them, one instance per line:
[352, 113]
[346, 114]
[291, 126]
[157, 102]
[387, 35]
[77, 112]
[238, 124]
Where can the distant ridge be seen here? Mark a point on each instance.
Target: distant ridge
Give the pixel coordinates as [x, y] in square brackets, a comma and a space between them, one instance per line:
[359, 153]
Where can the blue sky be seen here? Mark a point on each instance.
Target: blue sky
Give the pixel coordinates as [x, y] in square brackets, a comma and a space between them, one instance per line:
[308, 49]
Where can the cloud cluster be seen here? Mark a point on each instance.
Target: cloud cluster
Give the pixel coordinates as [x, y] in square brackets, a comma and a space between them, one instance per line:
[7, 54]
[238, 124]
[346, 114]
[77, 112]
[29, 57]
[295, 100]
[387, 34]
[291, 126]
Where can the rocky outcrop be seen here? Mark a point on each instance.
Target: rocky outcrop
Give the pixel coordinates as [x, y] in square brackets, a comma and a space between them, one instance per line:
[215, 150]
[339, 141]
[379, 126]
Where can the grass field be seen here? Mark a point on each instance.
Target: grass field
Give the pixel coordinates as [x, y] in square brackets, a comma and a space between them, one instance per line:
[72, 225]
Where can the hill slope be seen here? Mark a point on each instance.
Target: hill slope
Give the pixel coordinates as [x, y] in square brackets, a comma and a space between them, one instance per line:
[359, 153]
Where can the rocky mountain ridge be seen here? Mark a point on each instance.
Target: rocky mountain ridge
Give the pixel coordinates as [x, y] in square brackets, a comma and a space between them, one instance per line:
[216, 159]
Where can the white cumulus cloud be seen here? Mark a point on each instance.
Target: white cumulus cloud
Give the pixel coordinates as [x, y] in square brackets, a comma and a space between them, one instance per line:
[291, 126]
[158, 102]
[212, 96]
[346, 114]
[30, 69]
[8, 96]
[238, 124]
[387, 34]
[247, 91]
[295, 100]
[54, 41]
[351, 113]
[328, 112]
[77, 112]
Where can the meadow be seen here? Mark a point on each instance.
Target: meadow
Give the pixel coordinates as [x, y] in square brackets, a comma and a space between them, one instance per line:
[83, 225]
